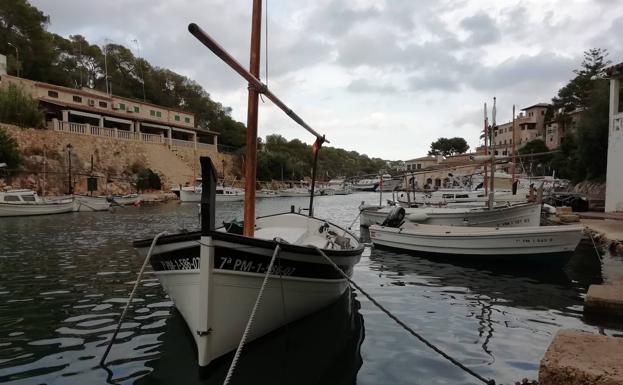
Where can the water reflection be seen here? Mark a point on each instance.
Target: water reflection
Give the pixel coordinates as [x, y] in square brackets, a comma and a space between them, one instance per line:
[323, 348]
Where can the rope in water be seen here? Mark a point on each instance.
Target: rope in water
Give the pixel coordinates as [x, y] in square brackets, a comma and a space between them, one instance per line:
[590, 234]
[234, 361]
[405, 326]
[127, 305]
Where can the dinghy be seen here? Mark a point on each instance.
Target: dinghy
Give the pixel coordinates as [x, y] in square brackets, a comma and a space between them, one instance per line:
[515, 244]
[17, 203]
[524, 215]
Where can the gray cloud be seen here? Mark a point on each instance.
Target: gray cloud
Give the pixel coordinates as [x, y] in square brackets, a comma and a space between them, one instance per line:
[366, 86]
[482, 29]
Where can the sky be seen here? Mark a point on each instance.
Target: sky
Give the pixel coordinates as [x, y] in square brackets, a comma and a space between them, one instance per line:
[380, 77]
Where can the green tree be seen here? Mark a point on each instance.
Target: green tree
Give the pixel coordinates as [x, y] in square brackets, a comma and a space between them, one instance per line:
[20, 109]
[447, 147]
[9, 151]
[538, 164]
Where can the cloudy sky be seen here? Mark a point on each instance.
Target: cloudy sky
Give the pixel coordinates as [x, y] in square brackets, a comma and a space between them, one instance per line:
[385, 78]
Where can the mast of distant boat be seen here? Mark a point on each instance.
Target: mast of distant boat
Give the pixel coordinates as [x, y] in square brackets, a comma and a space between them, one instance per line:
[492, 181]
[513, 187]
[485, 180]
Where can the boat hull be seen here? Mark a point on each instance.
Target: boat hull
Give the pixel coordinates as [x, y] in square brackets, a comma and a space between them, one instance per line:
[508, 244]
[523, 215]
[84, 203]
[46, 208]
[301, 283]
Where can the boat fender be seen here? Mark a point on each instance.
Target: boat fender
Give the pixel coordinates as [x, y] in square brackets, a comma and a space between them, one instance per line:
[548, 209]
[395, 217]
[417, 217]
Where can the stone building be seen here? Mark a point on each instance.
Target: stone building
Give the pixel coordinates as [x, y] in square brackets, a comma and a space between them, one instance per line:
[614, 176]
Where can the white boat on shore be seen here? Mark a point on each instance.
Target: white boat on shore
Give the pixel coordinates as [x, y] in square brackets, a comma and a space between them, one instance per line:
[295, 192]
[519, 215]
[511, 244]
[388, 183]
[267, 193]
[89, 203]
[16, 203]
[366, 184]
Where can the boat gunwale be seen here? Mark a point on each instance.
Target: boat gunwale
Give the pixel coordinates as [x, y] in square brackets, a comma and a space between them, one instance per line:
[256, 242]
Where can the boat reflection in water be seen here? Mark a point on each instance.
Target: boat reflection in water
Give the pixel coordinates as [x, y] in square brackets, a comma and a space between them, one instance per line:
[323, 348]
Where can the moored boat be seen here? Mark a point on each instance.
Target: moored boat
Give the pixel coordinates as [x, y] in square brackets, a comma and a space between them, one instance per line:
[88, 203]
[524, 215]
[213, 278]
[547, 244]
[16, 203]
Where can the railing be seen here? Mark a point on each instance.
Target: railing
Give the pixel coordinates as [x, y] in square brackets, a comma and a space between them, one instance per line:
[151, 138]
[182, 143]
[87, 129]
[206, 146]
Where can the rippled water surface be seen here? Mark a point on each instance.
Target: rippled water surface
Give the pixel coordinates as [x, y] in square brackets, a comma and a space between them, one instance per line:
[64, 280]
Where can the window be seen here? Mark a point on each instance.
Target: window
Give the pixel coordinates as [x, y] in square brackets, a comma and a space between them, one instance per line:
[103, 104]
[152, 113]
[53, 94]
[11, 198]
[122, 106]
[187, 119]
[542, 112]
[177, 118]
[77, 99]
[136, 109]
[419, 166]
[158, 114]
[28, 198]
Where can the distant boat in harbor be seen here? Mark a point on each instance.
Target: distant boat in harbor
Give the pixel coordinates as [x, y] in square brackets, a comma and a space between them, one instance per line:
[546, 244]
[89, 203]
[15, 203]
[524, 215]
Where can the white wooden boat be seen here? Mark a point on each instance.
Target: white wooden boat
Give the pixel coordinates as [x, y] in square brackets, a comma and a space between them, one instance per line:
[546, 243]
[88, 203]
[213, 278]
[366, 184]
[223, 194]
[387, 183]
[295, 192]
[15, 203]
[267, 193]
[519, 215]
[124, 200]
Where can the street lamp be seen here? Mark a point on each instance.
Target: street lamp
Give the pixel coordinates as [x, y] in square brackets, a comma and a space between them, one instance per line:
[16, 57]
[70, 189]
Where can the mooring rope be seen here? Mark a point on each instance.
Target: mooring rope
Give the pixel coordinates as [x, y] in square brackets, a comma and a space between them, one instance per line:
[590, 234]
[405, 326]
[234, 361]
[127, 305]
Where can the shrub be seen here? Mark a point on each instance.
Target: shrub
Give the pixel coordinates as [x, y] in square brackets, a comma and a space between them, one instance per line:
[20, 109]
[9, 152]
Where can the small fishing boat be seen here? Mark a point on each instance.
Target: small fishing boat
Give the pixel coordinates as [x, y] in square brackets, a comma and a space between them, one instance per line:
[296, 264]
[388, 183]
[231, 277]
[298, 191]
[547, 244]
[266, 193]
[16, 203]
[124, 200]
[223, 194]
[368, 184]
[89, 203]
[518, 215]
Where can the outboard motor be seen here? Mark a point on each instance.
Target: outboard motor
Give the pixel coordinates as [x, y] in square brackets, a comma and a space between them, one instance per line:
[395, 217]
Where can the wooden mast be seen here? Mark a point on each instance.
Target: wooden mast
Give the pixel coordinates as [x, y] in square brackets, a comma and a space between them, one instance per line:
[491, 133]
[252, 110]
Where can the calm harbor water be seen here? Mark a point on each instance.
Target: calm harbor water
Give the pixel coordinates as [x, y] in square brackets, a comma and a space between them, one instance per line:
[64, 280]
